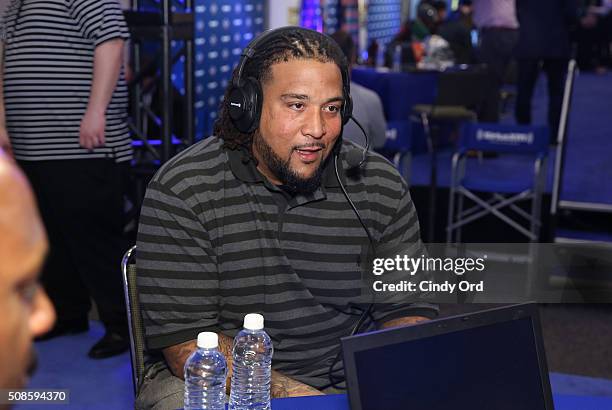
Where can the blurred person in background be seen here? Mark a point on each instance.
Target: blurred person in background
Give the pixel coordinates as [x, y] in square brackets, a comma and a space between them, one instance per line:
[544, 44]
[497, 26]
[426, 22]
[26, 310]
[367, 107]
[593, 35]
[441, 7]
[457, 30]
[402, 41]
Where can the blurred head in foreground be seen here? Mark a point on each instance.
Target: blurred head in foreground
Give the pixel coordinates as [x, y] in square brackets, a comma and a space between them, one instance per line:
[26, 311]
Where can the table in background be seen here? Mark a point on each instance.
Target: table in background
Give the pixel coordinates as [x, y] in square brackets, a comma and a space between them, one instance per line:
[399, 92]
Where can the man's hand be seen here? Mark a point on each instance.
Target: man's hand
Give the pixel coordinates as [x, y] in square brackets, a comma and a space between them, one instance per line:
[91, 133]
[403, 321]
[5, 141]
[283, 386]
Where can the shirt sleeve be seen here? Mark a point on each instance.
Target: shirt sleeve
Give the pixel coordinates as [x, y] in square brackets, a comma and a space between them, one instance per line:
[403, 231]
[99, 20]
[178, 281]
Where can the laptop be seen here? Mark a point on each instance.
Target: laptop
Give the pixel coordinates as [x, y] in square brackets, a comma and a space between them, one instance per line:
[489, 360]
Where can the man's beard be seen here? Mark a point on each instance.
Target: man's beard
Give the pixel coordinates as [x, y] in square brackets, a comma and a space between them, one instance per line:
[282, 169]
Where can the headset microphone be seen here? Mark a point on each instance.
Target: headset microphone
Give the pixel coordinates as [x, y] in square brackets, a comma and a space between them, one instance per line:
[355, 158]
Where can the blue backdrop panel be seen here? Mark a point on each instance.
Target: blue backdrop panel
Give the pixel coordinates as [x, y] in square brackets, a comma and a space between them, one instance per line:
[311, 15]
[384, 20]
[350, 18]
[332, 17]
[223, 28]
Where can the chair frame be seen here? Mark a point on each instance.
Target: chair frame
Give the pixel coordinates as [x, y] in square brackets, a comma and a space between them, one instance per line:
[459, 217]
[132, 306]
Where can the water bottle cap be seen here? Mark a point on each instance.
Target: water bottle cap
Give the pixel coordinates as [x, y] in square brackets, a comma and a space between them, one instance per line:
[254, 321]
[208, 340]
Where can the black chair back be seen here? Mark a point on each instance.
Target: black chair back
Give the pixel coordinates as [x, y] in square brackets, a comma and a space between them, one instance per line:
[462, 88]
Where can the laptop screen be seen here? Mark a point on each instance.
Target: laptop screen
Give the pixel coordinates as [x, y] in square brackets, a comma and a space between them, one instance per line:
[490, 366]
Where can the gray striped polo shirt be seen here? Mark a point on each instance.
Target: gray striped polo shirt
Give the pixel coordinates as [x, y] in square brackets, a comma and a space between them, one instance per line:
[217, 241]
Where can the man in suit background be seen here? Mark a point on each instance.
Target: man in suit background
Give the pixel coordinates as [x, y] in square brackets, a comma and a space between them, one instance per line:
[544, 44]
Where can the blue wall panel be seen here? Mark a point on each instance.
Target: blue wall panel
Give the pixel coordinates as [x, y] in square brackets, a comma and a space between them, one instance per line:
[384, 20]
[223, 28]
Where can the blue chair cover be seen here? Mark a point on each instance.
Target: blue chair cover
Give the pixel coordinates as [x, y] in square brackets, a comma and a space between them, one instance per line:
[503, 138]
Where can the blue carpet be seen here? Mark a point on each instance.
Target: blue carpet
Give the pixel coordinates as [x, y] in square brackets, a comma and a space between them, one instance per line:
[93, 384]
[588, 168]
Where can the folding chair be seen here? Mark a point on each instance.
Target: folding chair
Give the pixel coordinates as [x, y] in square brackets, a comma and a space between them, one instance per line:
[137, 339]
[505, 191]
[460, 93]
[398, 147]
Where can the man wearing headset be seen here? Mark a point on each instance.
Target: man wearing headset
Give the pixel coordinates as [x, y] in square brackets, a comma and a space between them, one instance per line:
[255, 219]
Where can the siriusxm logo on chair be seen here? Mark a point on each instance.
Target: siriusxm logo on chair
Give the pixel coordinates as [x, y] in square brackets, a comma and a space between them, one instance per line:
[525, 139]
[498, 137]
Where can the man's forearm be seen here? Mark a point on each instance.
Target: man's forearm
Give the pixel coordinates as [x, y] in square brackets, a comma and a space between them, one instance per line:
[284, 386]
[108, 59]
[177, 355]
[281, 386]
[403, 321]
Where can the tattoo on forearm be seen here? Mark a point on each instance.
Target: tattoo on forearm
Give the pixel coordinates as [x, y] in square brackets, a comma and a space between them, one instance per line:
[284, 386]
[177, 355]
[225, 347]
[280, 385]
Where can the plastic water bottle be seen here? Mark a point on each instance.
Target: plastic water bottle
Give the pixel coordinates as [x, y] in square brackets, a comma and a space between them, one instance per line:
[205, 373]
[397, 58]
[380, 56]
[252, 369]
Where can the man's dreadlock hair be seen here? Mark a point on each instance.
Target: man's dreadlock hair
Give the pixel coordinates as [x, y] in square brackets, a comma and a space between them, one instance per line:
[288, 45]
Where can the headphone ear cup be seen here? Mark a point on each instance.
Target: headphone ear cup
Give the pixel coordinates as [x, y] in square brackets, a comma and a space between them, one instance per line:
[244, 105]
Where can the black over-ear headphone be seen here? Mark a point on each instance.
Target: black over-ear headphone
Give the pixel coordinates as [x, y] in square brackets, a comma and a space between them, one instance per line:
[245, 96]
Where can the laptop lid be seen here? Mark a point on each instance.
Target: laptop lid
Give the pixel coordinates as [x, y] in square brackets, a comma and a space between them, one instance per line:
[492, 359]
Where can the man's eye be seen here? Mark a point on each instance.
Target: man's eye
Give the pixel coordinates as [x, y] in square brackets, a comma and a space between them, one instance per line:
[297, 106]
[333, 108]
[27, 291]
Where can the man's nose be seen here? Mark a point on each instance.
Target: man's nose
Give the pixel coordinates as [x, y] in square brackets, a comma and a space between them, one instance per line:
[43, 314]
[315, 125]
